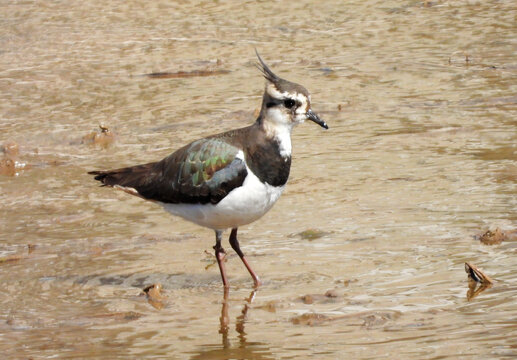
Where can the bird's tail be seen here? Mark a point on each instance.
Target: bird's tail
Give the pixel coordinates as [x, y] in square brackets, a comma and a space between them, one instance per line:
[132, 177]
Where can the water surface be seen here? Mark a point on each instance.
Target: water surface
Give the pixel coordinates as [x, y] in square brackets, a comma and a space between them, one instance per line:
[420, 157]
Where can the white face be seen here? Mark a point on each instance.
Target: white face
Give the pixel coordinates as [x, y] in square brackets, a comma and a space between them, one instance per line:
[291, 109]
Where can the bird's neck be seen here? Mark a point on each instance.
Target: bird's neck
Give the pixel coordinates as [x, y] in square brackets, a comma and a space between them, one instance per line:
[276, 128]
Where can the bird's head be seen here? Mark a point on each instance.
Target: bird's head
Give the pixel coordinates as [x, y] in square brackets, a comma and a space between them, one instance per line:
[285, 103]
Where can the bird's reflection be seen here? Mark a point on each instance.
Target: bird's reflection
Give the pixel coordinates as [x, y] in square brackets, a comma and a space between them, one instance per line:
[244, 349]
[225, 320]
[240, 321]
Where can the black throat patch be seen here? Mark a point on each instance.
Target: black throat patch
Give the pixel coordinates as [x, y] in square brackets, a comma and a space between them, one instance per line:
[264, 159]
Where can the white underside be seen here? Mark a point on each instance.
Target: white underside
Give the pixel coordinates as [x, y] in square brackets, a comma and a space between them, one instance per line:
[241, 206]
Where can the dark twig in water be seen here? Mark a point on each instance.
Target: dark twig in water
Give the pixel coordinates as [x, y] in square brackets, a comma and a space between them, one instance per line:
[185, 74]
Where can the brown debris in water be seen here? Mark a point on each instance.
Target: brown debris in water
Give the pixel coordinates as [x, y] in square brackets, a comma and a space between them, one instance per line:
[493, 237]
[10, 149]
[310, 319]
[332, 293]
[154, 295]
[312, 234]
[7, 167]
[346, 282]
[343, 106]
[104, 138]
[31, 248]
[9, 163]
[366, 319]
[185, 74]
[478, 281]
[20, 256]
[307, 299]
[126, 316]
[377, 318]
[17, 257]
[330, 296]
[271, 306]
[211, 260]
[11, 259]
[476, 274]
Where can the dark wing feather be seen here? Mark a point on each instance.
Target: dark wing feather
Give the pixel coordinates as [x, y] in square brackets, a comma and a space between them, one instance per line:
[125, 177]
[202, 172]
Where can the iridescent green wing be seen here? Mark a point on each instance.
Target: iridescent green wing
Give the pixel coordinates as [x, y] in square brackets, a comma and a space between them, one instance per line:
[204, 171]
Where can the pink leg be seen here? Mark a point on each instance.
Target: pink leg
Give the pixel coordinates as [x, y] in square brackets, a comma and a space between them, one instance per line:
[235, 246]
[220, 254]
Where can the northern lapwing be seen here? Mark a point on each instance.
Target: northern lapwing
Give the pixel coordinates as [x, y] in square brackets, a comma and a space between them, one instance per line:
[230, 179]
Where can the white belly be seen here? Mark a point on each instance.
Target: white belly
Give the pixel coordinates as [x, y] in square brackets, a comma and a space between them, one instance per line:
[241, 206]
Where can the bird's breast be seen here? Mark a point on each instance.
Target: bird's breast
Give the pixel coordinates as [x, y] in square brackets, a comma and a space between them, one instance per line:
[269, 162]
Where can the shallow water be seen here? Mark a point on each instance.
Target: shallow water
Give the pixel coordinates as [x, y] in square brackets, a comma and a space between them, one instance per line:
[420, 157]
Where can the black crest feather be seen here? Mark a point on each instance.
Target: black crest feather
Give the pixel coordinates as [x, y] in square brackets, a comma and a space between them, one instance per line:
[265, 70]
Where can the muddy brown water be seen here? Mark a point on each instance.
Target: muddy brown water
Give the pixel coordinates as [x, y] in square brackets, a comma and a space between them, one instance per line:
[420, 157]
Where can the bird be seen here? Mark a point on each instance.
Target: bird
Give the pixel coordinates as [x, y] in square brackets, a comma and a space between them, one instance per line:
[230, 179]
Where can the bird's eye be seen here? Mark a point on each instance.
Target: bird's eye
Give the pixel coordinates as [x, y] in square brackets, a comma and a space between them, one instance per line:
[289, 103]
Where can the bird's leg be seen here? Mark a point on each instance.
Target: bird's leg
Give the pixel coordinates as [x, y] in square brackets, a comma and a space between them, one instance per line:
[220, 255]
[235, 246]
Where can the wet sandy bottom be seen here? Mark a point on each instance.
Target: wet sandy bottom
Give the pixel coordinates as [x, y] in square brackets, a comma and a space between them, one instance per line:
[304, 308]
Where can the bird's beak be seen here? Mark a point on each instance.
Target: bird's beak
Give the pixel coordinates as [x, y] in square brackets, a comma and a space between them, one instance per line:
[312, 116]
